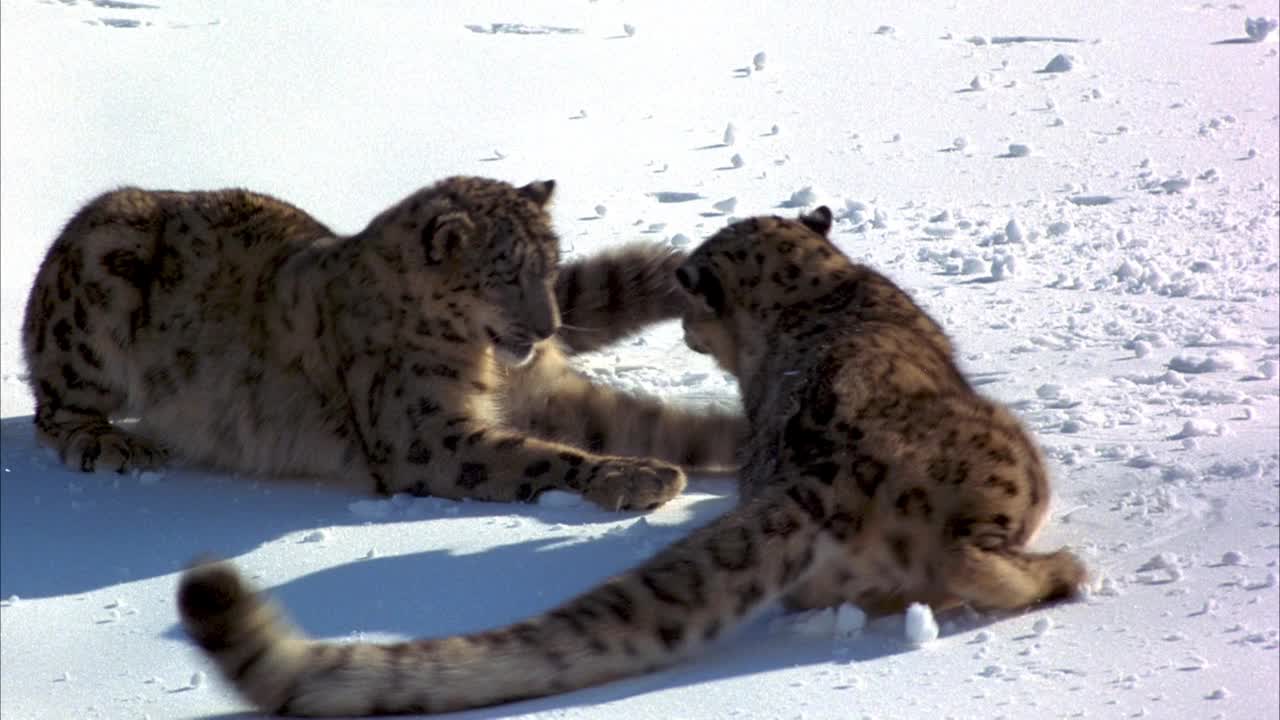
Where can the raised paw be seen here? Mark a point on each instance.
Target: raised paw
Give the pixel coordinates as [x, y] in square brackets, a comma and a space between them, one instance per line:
[104, 447]
[633, 483]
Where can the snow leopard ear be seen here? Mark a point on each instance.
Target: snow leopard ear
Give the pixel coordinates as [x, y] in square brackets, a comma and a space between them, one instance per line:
[538, 191]
[701, 282]
[445, 235]
[818, 220]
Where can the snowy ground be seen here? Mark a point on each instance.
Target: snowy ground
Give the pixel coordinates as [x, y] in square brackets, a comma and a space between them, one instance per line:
[1114, 279]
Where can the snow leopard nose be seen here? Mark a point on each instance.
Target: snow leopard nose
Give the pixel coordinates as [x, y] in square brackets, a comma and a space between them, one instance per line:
[544, 328]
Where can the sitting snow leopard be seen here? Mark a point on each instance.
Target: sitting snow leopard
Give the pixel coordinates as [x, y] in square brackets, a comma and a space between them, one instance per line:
[873, 474]
[415, 356]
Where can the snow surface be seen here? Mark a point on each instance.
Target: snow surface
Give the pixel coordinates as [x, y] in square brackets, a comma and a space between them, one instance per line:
[1154, 317]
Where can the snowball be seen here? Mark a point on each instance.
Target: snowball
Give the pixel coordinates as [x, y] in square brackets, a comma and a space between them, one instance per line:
[886, 30]
[559, 499]
[730, 135]
[920, 627]
[1013, 231]
[1042, 626]
[758, 60]
[737, 161]
[804, 197]
[197, 679]
[679, 240]
[727, 205]
[774, 130]
[1049, 391]
[1215, 361]
[1060, 63]
[1003, 266]
[1175, 185]
[1019, 150]
[1233, 557]
[1219, 694]
[630, 30]
[850, 619]
[977, 83]
[1141, 348]
[972, 266]
[1158, 562]
[1199, 427]
[1059, 228]
[315, 536]
[1269, 369]
[960, 143]
[1260, 27]
[601, 210]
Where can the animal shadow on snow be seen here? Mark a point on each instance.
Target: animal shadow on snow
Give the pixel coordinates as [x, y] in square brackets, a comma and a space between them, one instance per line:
[438, 593]
[66, 532]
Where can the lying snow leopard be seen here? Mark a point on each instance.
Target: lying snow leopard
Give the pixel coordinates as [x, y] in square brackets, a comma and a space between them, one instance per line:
[874, 474]
[425, 354]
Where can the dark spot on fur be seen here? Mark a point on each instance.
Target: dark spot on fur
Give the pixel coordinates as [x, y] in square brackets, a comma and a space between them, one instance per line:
[510, 442]
[472, 475]
[419, 453]
[537, 468]
[900, 546]
[843, 526]
[618, 602]
[734, 549]
[450, 442]
[124, 264]
[914, 502]
[823, 472]
[670, 634]
[869, 473]
[91, 358]
[779, 522]
[62, 334]
[958, 527]
[808, 500]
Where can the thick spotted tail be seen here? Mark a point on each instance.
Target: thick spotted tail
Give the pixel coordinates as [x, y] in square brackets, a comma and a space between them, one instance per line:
[653, 616]
[616, 293]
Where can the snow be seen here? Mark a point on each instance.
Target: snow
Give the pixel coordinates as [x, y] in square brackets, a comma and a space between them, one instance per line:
[1154, 311]
[1259, 28]
[920, 627]
[1061, 63]
[850, 619]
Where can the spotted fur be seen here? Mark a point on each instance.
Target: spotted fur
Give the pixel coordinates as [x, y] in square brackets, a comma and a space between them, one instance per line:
[418, 355]
[874, 474]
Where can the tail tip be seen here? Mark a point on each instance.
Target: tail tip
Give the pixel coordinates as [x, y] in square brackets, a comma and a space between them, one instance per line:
[210, 588]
